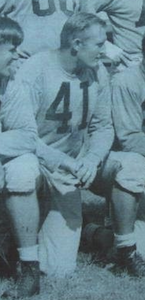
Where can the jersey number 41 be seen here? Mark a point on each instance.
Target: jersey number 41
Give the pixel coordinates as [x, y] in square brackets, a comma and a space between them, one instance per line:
[66, 115]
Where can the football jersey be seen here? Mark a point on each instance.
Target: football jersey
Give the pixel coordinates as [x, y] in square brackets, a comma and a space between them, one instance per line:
[41, 21]
[127, 19]
[72, 115]
[128, 90]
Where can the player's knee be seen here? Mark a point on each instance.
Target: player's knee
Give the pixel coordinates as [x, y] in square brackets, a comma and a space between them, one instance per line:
[21, 174]
[132, 175]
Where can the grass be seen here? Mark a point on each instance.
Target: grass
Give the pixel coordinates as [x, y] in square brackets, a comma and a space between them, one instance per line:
[90, 281]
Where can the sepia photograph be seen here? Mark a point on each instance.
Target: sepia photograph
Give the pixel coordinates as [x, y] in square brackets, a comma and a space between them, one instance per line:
[72, 149]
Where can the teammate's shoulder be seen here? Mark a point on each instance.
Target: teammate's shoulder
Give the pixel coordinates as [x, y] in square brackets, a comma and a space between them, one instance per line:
[129, 77]
[35, 65]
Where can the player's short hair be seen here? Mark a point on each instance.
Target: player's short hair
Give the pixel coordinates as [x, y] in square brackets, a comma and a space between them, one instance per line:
[75, 25]
[10, 31]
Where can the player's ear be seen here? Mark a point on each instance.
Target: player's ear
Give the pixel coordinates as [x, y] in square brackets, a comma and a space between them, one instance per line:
[75, 46]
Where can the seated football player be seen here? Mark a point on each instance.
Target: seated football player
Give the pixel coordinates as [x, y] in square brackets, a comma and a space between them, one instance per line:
[17, 145]
[70, 94]
[76, 134]
[128, 96]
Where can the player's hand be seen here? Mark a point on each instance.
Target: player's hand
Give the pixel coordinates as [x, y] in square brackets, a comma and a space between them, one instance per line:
[116, 54]
[69, 165]
[86, 171]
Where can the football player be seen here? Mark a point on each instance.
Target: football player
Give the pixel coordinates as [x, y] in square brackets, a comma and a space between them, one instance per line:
[74, 127]
[76, 134]
[18, 142]
[41, 21]
[128, 113]
[128, 23]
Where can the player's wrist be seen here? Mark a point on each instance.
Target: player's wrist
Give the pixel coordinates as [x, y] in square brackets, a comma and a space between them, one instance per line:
[68, 164]
[93, 158]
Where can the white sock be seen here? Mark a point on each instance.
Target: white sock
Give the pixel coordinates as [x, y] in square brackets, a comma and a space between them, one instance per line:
[125, 240]
[28, 253]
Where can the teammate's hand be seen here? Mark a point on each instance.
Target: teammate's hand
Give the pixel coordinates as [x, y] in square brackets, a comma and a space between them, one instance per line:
[116, 54]
[86, 171]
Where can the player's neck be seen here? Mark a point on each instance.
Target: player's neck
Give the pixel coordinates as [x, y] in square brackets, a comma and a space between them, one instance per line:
[67, 61]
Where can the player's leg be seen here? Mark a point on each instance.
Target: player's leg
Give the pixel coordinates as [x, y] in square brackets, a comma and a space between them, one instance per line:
[24, 214]
[124, 206]
[21, 202]
[59, 236]
[95, 237]
[140, 226]
[129, 185]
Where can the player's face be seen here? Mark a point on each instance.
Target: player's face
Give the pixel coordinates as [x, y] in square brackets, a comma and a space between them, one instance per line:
[92, 46]
[7, 55]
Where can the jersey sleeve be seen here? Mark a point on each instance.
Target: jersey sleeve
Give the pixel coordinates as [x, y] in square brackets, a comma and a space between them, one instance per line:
[19, 131]
[101, 130]
[128, 116]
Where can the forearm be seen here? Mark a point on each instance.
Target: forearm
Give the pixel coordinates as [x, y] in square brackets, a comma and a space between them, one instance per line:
[49, 156]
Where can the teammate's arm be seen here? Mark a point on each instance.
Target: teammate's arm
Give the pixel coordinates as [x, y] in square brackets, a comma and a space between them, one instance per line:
[128, 117]
[19, 131]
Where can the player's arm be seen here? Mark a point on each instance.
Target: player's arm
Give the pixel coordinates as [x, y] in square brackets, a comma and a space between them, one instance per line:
[101, 136]
[19, 131]
[53, 158]
[128, 116]
[101, 131]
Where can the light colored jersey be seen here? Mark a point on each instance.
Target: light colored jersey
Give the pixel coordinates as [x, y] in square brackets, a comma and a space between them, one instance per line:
[127, 18]
[72, 116]
[128, 91]
[41, 21]
[18, 128]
